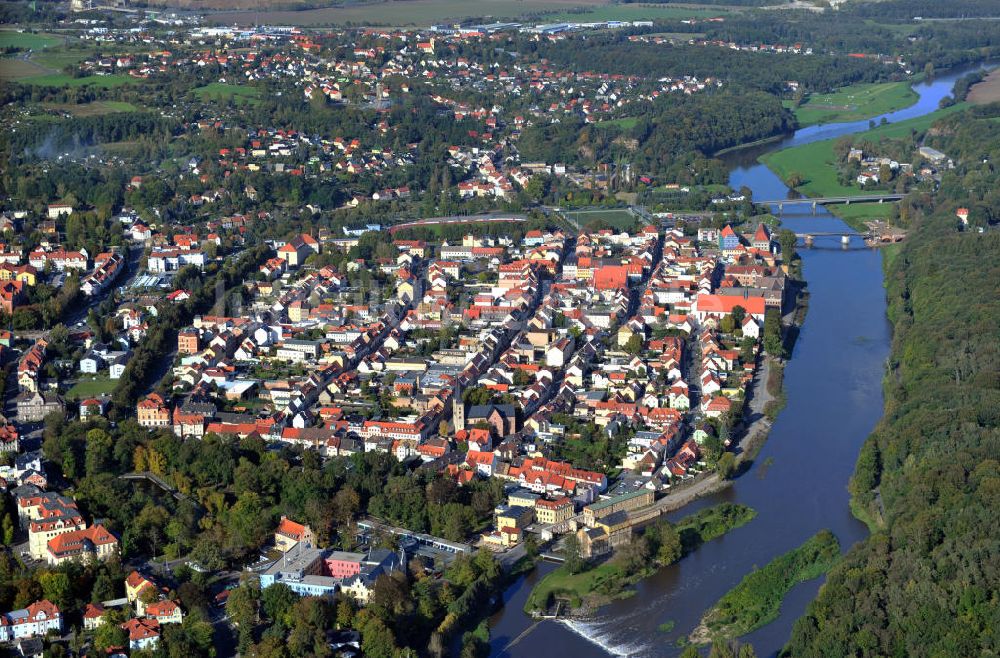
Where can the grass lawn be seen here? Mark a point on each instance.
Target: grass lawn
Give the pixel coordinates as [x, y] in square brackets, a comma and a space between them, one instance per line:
[624, 123]
[816, 162]
[855, 103]
[579, 585]
[90, 388]
[861, 211]
[856, 214]
[26, 40]
[221, 91]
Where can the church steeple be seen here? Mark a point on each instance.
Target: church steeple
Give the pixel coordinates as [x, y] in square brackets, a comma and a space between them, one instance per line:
[458, 408]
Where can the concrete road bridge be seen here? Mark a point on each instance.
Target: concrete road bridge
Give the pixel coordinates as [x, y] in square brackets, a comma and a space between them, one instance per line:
[824, 200]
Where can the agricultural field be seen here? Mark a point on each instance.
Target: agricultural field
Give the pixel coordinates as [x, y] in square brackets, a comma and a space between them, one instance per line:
[395, 12]
[815, 162]
[221, 91]
[855, 103]
[46, 56]
[987, 91]
[17, 68]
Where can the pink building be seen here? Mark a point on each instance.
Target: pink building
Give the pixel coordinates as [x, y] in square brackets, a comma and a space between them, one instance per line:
[340, 564]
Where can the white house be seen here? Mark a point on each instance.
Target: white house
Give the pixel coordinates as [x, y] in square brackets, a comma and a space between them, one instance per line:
[117, 362]
[37, 619]
[91, 363]
[750, 327]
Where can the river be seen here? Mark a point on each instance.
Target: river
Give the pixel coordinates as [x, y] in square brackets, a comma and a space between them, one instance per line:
[798, 484]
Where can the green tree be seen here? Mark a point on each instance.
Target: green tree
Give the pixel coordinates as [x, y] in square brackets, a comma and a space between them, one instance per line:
[110, 634]
[7, 530]
[669, 548]
[772, 334]
[56, 587]
[574, 562]
[377, 640]
[98, 454]
[728, 324]
[726, 465]
[787, 239]
[278, 601]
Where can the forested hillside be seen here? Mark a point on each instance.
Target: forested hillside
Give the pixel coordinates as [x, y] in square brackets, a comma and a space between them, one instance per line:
[928, 581]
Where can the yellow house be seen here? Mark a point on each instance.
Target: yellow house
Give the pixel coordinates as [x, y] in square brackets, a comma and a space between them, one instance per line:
[554, 511]
[404, 291]
[290, 533]
[141, 592]
[24, 273]
[298, 311]
[514, 517]
[625, 334]
[28, 277]
[135, 584]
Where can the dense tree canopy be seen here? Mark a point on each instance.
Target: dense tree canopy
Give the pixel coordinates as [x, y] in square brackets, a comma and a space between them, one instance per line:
[927, 582]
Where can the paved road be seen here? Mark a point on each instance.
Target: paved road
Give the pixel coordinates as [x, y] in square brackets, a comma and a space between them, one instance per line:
[759, 395]
[688, 493]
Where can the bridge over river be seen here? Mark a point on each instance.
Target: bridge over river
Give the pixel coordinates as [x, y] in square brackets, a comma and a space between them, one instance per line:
[824, 200]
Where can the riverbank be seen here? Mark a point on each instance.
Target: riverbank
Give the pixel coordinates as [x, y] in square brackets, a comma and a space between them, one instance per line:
[749, 145]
